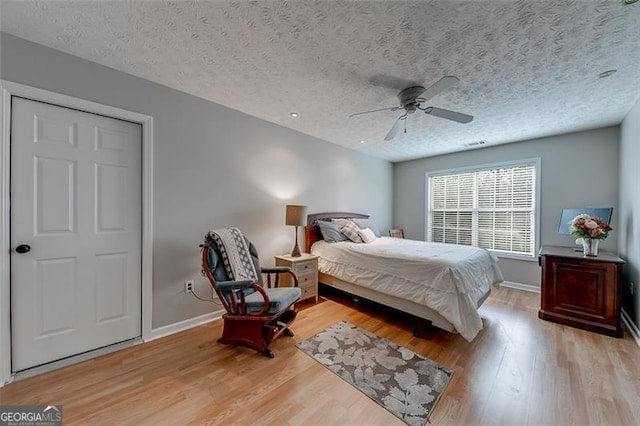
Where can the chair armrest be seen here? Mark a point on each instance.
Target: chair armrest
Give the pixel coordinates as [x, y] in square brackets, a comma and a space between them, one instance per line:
[233, 285]
[275, 270]
[266, 304]
[294, 277]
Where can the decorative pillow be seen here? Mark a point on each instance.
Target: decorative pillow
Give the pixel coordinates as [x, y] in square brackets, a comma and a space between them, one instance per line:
[367, 223]
[367, 235]
[331, 232]
[350, 229]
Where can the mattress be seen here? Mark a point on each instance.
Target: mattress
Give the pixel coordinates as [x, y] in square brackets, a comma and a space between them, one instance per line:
[450, 279]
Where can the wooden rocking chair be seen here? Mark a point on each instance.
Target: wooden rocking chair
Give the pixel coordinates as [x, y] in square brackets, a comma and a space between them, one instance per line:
[255, 315]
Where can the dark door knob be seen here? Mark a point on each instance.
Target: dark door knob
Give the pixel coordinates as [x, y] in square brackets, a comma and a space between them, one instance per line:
[23, 248]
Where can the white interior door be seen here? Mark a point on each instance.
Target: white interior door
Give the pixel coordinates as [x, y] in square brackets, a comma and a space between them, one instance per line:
[76, 208]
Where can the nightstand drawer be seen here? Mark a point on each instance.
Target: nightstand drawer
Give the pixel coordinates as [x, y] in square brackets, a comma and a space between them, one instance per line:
[306, 280]
[308, 292]
[303, 267]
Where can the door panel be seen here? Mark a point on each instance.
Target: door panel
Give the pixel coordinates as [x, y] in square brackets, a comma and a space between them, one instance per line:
[111, 198]
[55, 313]
[54, 129]
[55, 195]
[76, 200]
[111, 140]
[111, 300]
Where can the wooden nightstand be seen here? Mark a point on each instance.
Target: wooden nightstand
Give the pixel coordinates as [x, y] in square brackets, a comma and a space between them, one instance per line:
[306, 269]
[583, 292]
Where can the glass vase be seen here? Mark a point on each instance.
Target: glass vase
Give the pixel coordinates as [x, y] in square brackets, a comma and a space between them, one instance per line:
[590, 246]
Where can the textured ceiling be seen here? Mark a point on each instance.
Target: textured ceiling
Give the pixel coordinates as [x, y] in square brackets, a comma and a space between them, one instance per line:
[527, 68]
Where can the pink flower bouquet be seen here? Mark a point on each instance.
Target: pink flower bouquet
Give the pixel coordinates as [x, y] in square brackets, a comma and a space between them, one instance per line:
[585, 226]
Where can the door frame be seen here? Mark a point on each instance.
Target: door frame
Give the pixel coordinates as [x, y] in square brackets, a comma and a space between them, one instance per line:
[10, 89]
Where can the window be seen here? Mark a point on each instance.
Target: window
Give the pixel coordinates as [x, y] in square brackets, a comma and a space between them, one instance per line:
[493, 207]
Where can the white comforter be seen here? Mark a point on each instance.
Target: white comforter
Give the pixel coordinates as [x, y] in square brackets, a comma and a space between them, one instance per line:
[449, 279]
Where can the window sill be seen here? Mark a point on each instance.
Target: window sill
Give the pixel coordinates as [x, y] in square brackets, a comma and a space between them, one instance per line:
[502, 255]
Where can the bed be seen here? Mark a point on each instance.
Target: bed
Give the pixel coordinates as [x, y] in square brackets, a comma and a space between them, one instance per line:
[444, 284]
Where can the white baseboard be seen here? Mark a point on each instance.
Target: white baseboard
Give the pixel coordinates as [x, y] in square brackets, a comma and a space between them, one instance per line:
[155, 334]
[177, 327]
[75, 359]
[520, 286]
[633, 329]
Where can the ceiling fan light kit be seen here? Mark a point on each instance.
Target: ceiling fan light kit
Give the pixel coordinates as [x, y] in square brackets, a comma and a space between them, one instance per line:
[412, 98]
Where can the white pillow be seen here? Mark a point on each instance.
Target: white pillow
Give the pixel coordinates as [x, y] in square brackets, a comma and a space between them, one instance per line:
[367, 235]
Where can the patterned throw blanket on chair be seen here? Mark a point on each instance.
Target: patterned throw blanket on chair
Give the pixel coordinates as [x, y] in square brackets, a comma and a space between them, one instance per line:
[234, 251]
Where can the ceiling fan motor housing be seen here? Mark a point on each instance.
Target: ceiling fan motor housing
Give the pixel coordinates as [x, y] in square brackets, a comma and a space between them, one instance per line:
[408, 98]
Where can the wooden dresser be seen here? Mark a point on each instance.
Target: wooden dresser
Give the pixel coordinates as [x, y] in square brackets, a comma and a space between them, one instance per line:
[306, 269]
[583, 292]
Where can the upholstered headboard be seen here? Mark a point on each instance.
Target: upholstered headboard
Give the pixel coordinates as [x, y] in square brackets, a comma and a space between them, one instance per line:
[312, 230]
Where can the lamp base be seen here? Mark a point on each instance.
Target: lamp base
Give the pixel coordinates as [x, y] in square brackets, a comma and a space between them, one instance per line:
[296, 249]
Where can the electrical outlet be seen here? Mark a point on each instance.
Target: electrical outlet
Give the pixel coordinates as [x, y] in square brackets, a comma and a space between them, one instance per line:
[188, 286]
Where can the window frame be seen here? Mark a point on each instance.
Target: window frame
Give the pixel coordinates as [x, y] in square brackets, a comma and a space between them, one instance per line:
[535, 161]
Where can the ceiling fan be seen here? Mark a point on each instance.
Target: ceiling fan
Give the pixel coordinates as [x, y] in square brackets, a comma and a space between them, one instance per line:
[412, 98]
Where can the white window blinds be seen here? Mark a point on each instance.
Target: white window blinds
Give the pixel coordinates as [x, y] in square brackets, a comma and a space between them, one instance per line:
[492, 208]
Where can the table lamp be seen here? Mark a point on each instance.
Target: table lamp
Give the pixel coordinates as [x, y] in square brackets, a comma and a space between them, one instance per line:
[296, 216]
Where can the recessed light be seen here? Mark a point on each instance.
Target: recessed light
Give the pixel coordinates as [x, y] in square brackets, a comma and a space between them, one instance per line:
[607, 73]
[294, 114]
[361, 141]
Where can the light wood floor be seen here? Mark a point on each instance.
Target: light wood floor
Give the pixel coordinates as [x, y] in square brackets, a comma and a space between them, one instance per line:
[519, 370]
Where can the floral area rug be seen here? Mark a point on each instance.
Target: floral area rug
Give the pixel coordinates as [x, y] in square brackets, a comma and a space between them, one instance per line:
[405, 383]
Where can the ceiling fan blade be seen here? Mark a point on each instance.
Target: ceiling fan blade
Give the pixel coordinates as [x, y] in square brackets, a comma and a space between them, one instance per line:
[394, 129]
[375, 110]
[449, 115]
[441, 85]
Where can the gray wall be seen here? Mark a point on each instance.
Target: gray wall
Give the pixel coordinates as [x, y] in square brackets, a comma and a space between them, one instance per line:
[578, 170]
[214, 167]
[629, 211]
